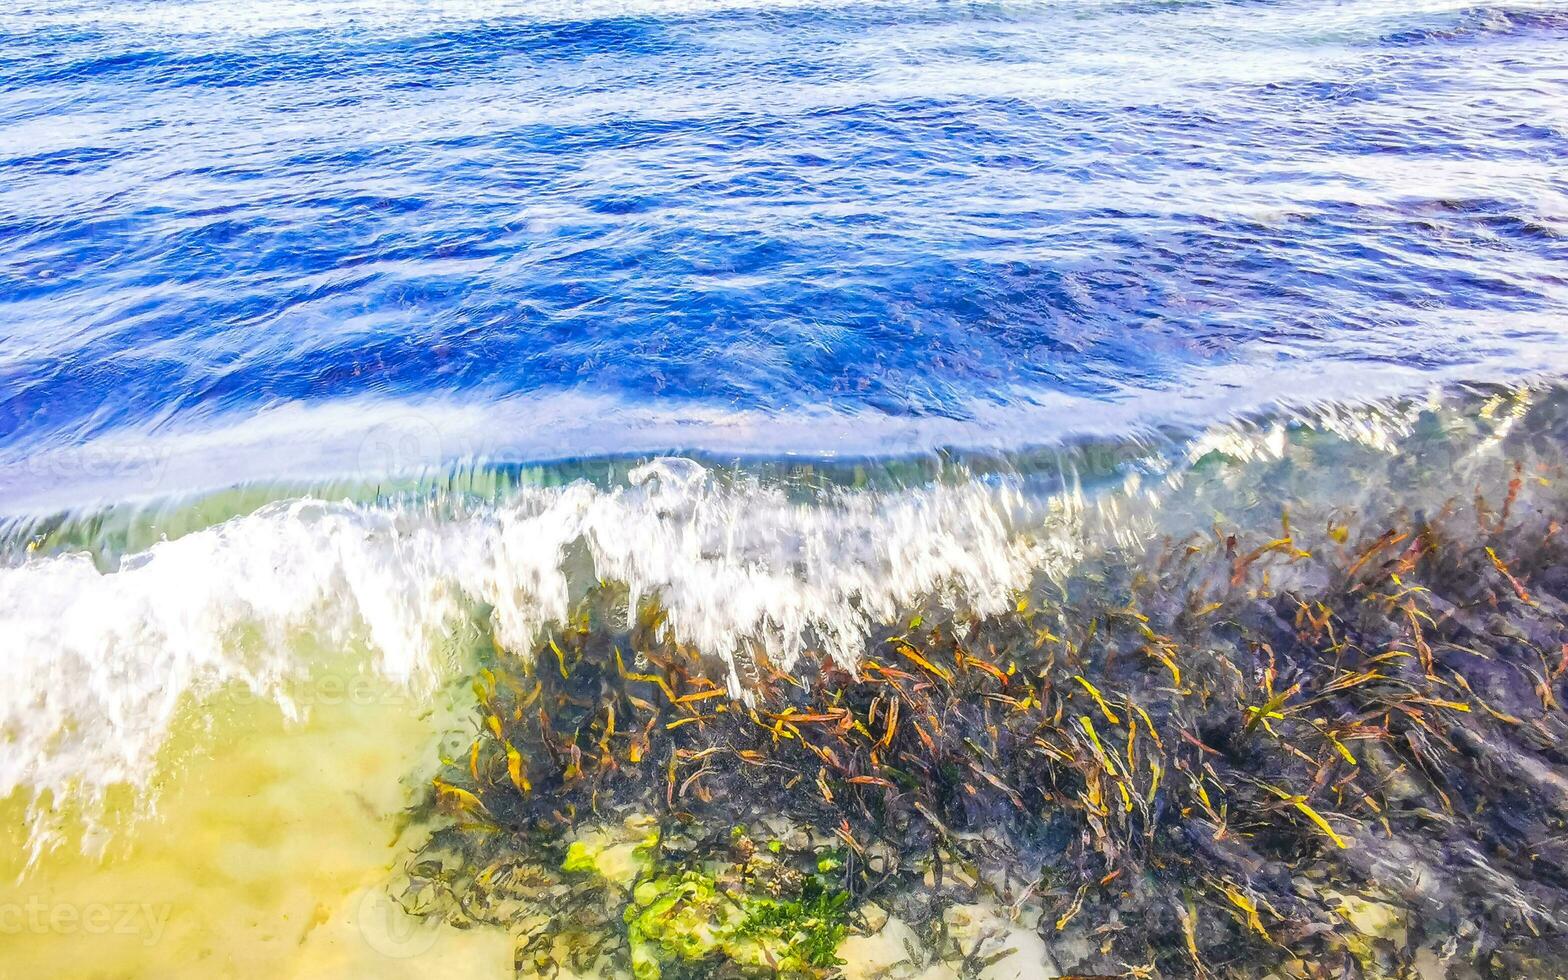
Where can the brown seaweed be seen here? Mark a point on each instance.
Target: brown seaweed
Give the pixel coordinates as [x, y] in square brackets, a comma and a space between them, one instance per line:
[1208, 759]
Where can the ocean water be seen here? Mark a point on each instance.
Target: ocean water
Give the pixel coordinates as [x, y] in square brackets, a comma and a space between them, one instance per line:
[239, 235]
[350, 340]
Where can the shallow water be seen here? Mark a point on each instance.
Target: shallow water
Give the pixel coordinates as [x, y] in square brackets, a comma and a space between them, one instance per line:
[348, 349]
[266, 854]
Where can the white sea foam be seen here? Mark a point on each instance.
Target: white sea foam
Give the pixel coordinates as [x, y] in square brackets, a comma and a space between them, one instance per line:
[94, 664]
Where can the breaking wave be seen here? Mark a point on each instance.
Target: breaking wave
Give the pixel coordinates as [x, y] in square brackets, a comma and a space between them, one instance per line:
[116, 622]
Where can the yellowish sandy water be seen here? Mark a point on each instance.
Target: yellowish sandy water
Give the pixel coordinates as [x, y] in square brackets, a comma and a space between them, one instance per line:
[267, 855]
[269, 851]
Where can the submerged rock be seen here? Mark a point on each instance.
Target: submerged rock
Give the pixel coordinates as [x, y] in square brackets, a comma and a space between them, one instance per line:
[616, 854]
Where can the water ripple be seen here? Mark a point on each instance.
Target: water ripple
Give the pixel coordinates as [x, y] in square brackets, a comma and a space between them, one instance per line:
[908, 209]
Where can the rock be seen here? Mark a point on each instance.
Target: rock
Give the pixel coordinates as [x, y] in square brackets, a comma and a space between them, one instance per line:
[875, 916]
[617, 855]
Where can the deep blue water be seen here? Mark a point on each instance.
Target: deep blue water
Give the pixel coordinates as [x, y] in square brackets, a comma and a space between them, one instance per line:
[880, 211]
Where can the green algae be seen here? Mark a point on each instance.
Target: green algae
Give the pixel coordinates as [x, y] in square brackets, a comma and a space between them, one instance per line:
[690, 918]
[661, 906]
